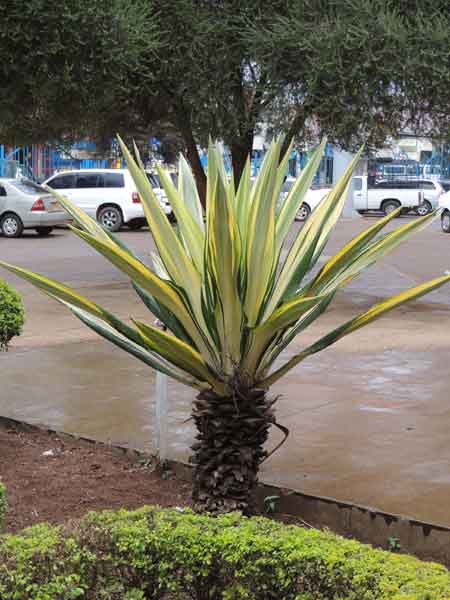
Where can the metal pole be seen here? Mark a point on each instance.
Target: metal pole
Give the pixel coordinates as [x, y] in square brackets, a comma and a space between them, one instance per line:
[161, 411]
[161, 416]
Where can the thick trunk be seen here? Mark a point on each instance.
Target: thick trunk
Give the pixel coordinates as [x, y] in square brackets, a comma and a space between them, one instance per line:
[229, 447]
[295, 127]
[199, 173]
[193, 158]
[240, 151]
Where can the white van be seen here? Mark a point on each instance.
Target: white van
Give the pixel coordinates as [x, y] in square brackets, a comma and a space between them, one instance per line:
[109, 195]
[418, 195]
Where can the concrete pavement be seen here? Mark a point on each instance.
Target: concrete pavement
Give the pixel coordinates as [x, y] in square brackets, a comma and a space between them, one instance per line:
[369, 417]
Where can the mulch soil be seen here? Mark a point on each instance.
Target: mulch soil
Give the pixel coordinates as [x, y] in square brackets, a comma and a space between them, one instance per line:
[52, 477]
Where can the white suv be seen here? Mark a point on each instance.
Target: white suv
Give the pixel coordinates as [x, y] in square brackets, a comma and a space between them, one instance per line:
[109, 195]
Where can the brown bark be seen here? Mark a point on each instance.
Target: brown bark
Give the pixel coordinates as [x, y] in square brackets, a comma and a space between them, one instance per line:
[240, 151]
[296, 125]
[245, 107]
[229, 447]
[192, 155]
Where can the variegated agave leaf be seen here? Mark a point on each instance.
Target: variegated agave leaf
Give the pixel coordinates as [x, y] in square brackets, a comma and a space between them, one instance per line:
[228, 294]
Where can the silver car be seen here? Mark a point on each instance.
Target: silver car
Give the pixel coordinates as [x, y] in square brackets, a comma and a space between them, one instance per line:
[26, 205]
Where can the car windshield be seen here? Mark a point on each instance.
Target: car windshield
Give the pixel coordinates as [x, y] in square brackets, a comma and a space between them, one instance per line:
[154, 180]
[28, 187]
[445, 185]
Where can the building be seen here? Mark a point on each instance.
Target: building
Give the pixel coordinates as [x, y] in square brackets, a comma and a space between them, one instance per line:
[39, 161]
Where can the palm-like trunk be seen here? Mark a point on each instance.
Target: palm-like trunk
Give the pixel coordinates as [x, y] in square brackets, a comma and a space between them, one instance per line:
[229, 447]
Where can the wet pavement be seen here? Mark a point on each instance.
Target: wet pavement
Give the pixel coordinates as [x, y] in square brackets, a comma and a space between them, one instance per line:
[369, 417]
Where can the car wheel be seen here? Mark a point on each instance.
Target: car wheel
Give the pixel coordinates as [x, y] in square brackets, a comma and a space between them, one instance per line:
[424, 209]
[389, 206]
[11, 226]
[445, 222]
[110, 217]
[135, 224]
[303, 212]
[44, 230]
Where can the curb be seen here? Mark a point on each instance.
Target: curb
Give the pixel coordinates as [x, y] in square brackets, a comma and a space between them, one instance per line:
[428, 541]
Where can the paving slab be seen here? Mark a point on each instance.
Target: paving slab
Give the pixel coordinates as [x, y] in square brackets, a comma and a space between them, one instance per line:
[369, 417]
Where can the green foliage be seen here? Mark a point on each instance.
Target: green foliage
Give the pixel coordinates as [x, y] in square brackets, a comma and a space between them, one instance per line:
[3, 503]
[11, 314]
[332, 62]
[394, 544]
[67, 58]
[155, 553]
[354, 69]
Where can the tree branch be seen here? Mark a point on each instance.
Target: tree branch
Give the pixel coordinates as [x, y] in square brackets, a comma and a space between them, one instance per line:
[296, 125]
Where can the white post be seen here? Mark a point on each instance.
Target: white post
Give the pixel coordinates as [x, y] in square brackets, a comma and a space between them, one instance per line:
[161, 411]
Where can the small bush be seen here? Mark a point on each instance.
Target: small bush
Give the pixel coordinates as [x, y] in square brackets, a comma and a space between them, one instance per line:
[162, 554]
[11, 314]
[3, 503]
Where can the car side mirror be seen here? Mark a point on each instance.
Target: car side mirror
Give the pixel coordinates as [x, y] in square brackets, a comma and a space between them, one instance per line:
[2, 191]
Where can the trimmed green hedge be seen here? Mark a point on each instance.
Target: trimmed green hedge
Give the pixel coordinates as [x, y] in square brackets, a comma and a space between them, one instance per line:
[162, 554]
[11, 314]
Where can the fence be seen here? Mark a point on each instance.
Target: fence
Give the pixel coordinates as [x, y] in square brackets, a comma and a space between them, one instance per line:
[437, 167]
[38, 162]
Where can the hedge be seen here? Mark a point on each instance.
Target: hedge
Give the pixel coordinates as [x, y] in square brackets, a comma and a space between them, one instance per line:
[11, 314]
[176, 554]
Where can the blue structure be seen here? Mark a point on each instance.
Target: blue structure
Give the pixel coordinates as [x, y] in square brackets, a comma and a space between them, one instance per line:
[40, 161]
[436, 167]
[296, 163]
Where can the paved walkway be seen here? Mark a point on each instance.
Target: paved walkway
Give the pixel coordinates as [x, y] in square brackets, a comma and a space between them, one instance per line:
[369, 417]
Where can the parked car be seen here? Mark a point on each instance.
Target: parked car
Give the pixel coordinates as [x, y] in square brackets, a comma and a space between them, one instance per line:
[26, 205]
[444, 203]
[109, 195]
[418, 195]
[312, 198]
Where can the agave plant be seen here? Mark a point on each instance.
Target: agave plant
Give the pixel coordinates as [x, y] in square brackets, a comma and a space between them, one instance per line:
[232, 295]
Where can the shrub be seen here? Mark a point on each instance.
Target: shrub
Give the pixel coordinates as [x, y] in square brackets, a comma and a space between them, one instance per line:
[3, 503]
[231, 299]
[161, 554]
[11, 314]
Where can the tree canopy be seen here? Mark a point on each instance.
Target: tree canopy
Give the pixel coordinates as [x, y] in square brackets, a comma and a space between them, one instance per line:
[63, 64]
[357, 70]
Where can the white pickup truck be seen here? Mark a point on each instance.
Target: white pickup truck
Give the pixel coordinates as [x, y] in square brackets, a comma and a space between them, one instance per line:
[418, 195]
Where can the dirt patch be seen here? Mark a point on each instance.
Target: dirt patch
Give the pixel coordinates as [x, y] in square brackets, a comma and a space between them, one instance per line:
[51, 477]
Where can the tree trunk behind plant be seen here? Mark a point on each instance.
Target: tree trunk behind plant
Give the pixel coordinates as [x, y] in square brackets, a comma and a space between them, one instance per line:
[197, 167]
[295, 127]
[184, 125]
[229, 448]
[240, 151]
